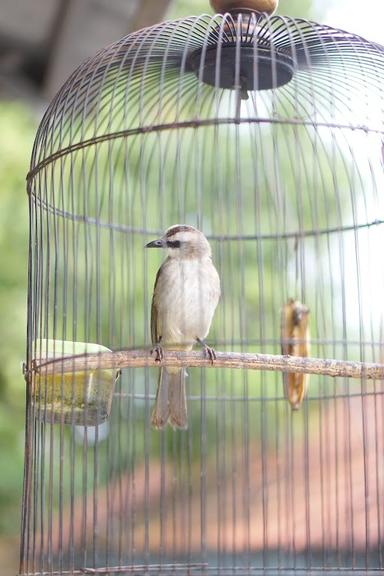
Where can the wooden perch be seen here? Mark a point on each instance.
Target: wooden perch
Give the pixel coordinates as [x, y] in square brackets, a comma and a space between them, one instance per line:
[143, 357]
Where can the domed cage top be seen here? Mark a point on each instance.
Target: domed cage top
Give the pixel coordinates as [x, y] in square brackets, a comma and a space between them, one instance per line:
[266, 133]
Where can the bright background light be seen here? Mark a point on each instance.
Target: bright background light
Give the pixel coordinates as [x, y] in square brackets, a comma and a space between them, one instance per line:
[364, 19]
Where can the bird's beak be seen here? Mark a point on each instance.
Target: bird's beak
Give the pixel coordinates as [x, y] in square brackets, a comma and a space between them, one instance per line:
[155, 244]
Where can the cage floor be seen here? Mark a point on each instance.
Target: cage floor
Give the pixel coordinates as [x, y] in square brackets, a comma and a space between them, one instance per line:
[272, 562]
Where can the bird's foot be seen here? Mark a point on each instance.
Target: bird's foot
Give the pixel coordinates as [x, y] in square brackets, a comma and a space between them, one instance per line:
[157, 351]
[208, 351]
[211, 354]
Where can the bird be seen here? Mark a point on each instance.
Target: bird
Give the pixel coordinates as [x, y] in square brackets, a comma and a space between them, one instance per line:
[185, 296]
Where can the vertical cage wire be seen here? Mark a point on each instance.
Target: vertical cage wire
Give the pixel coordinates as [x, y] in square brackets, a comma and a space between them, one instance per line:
[266, 134]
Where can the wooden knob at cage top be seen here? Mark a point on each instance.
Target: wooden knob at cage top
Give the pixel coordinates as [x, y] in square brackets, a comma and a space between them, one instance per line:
[222, 6]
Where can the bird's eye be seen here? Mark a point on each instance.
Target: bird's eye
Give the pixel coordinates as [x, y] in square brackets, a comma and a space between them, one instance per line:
[173, 244]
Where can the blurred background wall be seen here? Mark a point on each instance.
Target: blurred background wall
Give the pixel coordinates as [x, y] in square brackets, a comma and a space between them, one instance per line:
[41, 42]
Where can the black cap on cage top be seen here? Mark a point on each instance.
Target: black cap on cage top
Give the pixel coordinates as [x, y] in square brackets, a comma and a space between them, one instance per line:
[230, 59]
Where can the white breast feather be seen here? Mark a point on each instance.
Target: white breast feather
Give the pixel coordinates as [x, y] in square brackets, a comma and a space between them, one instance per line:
[186, 296]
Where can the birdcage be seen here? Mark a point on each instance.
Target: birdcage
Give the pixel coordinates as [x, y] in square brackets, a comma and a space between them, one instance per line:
[266, 133]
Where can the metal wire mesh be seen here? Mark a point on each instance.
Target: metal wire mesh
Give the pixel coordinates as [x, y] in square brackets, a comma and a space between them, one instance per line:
[282, 169]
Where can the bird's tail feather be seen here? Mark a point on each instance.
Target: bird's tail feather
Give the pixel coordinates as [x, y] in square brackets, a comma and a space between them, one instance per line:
[178, 416]
[160, 412]
[171, 401]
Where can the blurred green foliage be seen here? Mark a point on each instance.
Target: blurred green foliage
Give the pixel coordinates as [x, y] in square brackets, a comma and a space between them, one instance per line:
[16, 139]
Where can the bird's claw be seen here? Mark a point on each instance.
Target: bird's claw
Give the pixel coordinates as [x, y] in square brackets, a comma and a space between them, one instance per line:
[208, 351]
[157, 351]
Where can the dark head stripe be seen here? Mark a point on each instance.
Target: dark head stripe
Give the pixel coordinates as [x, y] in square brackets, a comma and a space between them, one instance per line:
[175, 229]
[173, 244]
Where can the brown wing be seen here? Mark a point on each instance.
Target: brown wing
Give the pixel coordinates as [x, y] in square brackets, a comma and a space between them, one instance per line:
[156, 337]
